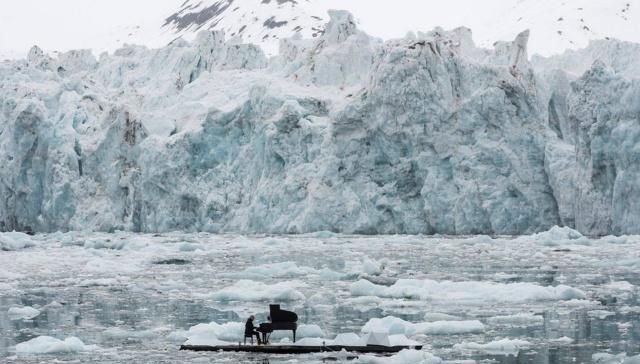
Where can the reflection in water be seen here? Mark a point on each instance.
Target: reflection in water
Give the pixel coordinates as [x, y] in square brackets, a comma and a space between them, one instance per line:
[147, 313]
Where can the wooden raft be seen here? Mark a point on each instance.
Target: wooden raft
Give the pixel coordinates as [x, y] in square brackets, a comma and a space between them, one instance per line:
[295, 349]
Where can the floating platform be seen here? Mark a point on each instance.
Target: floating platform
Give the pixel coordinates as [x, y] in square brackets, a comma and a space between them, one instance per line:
[296, 349]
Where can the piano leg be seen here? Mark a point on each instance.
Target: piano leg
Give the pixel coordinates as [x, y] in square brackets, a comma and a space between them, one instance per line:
[294, 336]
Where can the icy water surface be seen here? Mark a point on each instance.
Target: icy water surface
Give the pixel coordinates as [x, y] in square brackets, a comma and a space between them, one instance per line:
[136, 296]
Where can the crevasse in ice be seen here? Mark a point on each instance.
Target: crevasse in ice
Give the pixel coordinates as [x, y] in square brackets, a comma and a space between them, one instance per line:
[344, 133]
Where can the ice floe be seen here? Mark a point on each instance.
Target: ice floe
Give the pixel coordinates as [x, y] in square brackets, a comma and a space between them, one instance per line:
[562, 340]
[466, 292]
[403, 357]
[606, 358]
[393, 325]
[519, 319]
[51, 345]
[309, 331]
[504, 346]
[275, 270]
[348, 339]
[437, 316]
[120, 333]
[23, 313]
[246, 290]
[5, 274]
[601, 314]
[15, 241]
[554, 236]
[212, 333]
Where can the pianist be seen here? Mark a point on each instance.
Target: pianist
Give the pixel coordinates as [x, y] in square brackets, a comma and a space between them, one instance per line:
[250, 330]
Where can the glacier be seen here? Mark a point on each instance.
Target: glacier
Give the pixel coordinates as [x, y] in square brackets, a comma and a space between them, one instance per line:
[427, 134]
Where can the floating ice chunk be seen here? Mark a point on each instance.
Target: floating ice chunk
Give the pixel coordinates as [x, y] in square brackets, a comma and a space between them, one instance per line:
[15, 241]
[365, 302]
[119, 333]
[322, 298]
[51, 345]
[100, 265]
[23, 313]
[7, 288]
[606, 358]
[206, 340]
[504, 346]
[54, 305]
[309, 331]
[539, 256]
[555, 235]
[479, 239]
[189, 247]
[5, 274]
[246, 290]
[630, 262]
[376, 338]
[321, 235]
[178, 336]
[393, 325]
[519, 319]
[579, 303]
[275, 270]
[612, 239]
[371, 266]
[437, 316]
[501, 276]
[562, 340]
[330, 275]
[101, 243]
[308, 341]
[601, 314]
[403, 357]
[212, 334]
[104, 282]
[402, 340]
[348, 339]
[366, 288]
[620, 286]
[467, 292]
[117, 242]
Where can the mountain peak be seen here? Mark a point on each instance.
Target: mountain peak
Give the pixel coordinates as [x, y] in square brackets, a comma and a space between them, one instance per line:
[263, 22]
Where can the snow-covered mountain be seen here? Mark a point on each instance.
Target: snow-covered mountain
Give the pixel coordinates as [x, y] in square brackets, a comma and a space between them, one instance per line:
[107, 25]
[257, 21]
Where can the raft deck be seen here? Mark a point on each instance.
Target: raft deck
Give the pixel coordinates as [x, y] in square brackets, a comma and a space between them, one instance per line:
[295, 349]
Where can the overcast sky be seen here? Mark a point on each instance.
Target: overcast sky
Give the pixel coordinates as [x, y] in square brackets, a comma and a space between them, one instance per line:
[97, 24]
[63, 24]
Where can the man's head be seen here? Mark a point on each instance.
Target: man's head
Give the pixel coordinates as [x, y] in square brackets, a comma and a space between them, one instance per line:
[252, 317]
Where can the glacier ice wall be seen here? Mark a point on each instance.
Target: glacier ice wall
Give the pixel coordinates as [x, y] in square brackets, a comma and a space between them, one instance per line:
[426, 134]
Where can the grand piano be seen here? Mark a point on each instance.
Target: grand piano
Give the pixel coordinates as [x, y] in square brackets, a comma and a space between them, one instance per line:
[281, 320]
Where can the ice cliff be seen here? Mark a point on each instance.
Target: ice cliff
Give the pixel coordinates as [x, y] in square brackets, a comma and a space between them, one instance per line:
[426, 134]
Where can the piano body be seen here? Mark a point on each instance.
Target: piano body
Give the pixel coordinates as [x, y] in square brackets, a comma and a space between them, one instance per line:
[281, 320]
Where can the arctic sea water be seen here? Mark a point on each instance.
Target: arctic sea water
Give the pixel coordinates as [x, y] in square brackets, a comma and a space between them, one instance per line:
[555, 297]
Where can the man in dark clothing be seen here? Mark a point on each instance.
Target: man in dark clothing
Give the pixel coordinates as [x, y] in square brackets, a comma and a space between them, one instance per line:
[250, 330]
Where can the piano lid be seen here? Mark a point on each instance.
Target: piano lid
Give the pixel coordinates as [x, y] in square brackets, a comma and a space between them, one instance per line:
[280, 315]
